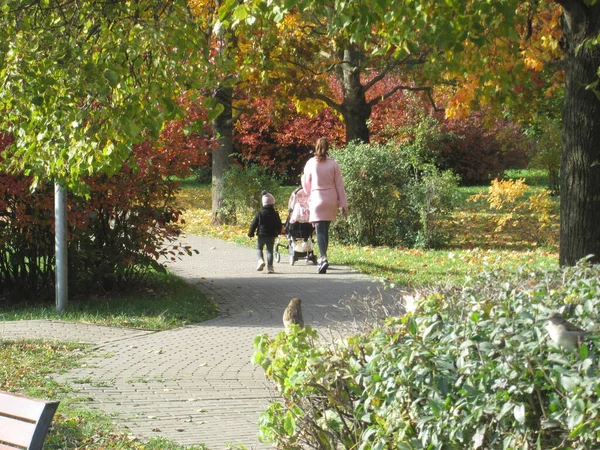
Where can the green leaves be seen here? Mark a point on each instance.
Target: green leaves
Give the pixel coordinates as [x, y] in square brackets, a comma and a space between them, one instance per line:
[115, 70]
[471, 368]
[111, 77]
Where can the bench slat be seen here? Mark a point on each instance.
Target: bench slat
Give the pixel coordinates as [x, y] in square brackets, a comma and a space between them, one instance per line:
[24, 421]
[6, 447]
[19, 406]
[16, 432]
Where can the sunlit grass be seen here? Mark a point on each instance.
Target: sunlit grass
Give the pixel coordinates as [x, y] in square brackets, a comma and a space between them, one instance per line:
[475, 242]
[165, 301]
[418, 267]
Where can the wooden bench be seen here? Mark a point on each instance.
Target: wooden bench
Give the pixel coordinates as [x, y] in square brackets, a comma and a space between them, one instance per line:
[24, 421]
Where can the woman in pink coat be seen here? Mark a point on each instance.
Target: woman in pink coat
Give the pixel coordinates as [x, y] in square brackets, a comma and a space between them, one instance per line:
[322, 181]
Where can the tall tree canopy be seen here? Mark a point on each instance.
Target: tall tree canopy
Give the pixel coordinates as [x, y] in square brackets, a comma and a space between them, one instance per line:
[228, 35]
[82, 81]
[302, 55]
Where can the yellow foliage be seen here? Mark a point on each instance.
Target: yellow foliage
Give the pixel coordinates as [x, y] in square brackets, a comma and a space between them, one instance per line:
[308, 106]
[201, 7]
[520, 206]
[460, 104]
[292, 27]
[506, 192]
[531, 62]
[541, 205]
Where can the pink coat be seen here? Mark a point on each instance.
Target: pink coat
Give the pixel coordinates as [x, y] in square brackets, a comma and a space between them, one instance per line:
[323, 183]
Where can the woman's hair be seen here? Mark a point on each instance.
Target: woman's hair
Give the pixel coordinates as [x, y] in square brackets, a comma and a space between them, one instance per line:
[321, 149]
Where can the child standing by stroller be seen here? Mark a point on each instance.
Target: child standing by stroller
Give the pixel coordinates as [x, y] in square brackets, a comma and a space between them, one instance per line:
[267, 226]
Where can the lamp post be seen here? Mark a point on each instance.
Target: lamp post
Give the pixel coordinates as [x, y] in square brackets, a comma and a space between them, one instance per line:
[60, 248]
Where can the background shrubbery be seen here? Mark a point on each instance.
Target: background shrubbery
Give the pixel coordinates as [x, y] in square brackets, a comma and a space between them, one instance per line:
[116, 234]
[396, 195]
[473, 367]
[478, 148]
[242, 192]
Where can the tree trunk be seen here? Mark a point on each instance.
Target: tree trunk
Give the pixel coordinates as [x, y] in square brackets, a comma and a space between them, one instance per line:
[355, 109]
[580, 169]
[221, 156]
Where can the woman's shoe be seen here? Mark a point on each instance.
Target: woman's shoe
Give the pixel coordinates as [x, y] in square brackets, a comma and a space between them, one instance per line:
[323, 266]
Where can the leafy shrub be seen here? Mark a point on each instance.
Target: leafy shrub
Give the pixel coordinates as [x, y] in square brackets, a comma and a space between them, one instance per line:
[478, 149]
[546, 152]
[243, 187]
[472, 367]
[532, 210]
[26, 238]
[395, 195]
[432, 196]
[116, 234]
[374, 177]
[279, 138]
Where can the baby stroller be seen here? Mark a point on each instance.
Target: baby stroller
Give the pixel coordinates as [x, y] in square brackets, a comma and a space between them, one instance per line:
[298, 230]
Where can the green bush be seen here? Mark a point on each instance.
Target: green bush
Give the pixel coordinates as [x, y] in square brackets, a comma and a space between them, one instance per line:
[395, 195]
[473, 367]
[432, 196]
[547, 149]
[243, 187]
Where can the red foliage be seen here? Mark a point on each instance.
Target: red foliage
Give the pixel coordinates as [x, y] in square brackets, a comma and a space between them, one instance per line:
[115, 234]
[478, 151]
[283, 140]
[186, 144]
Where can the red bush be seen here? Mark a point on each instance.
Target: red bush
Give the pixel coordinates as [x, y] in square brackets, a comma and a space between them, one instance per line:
[282, 140]
[479, 151]
[476, 148]
[115, 235]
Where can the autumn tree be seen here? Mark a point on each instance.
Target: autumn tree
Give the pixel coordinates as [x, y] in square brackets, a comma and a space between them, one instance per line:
[83, 81]
[224, 29]
[501, 54]
[580, 166]
[305, 54]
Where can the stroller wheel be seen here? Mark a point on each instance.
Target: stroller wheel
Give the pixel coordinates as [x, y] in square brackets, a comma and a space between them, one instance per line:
[277, 256]
[292, 258]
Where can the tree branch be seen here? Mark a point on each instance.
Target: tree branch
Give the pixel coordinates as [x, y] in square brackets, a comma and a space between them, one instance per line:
[408, 60]
[388, 94]
[328, 101]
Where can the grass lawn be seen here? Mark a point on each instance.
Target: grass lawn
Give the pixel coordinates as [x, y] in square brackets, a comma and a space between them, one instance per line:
[475, 242]
[164, 302]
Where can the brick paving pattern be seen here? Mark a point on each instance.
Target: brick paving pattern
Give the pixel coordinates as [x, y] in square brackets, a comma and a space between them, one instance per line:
[196, 384]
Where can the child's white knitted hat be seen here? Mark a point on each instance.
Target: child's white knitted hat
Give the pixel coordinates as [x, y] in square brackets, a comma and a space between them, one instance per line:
[267, 199]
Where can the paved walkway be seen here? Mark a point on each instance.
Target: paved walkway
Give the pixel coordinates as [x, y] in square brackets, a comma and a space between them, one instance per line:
[196, 384]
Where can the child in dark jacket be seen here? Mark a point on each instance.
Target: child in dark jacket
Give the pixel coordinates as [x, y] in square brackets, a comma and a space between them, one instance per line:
[268, 224]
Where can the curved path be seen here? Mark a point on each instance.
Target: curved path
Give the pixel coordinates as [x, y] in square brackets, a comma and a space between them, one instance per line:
[196, 384]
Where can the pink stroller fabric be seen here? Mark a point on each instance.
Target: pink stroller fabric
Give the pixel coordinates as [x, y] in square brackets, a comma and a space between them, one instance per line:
[298, 206]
